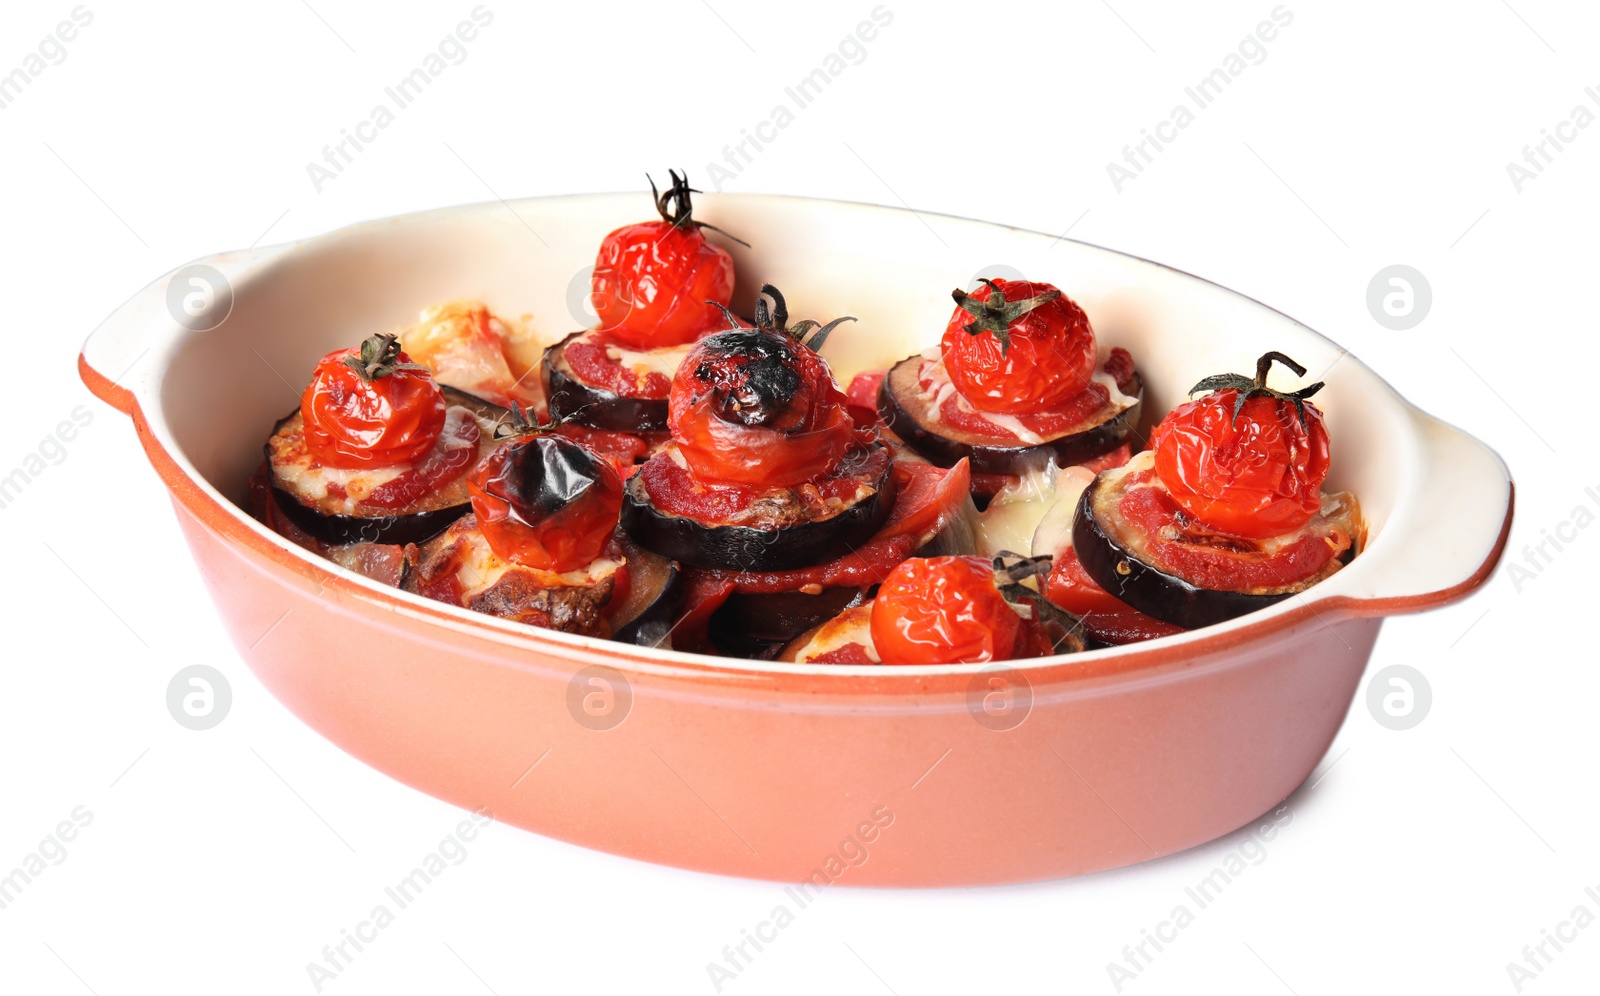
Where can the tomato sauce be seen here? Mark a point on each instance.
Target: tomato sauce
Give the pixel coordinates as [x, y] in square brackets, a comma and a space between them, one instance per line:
[1212, 560]
[590, 360]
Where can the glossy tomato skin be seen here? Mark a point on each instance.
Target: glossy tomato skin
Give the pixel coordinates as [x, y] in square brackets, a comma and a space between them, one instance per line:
[652, 282]
[945, 610]
[1050, 360]
[352, 422]
[546, 502]
[1256, 476]
[753, 406]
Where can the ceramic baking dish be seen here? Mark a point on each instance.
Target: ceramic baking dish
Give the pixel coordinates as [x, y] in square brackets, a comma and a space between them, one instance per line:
[916, 776]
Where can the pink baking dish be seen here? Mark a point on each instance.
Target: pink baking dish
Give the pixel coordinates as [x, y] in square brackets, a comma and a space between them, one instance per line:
[883, 776]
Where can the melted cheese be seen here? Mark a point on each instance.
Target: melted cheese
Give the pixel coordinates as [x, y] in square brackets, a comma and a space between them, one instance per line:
[850, 626]
[1033, 515]
[643, 363]
[1010, 423]
[295, 471]
[942, 388]
[299, 475]
[1113, 392]
[1339, 510]
[464, 345]
[1053, 535]
[478, 568]
[1008, 524]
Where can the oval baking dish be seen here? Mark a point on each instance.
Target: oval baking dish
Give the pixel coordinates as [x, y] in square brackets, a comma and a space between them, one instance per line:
[957, 774]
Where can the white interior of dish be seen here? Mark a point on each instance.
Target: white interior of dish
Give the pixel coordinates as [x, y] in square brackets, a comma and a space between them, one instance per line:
[214, 395]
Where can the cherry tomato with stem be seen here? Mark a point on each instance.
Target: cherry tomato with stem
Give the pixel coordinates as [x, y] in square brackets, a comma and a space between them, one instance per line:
[658, 283]
[371, 406]
[1018, 347]
[1245, 460]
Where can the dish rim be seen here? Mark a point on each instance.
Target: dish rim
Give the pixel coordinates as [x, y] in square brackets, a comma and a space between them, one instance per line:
[234, 523]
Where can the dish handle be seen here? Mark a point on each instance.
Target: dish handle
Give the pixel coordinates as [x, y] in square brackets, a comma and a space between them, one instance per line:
[1446, 537]
[193, 298]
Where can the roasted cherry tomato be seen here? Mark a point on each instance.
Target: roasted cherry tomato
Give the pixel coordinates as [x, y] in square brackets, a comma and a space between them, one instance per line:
[371, 406]
[945, 610]
[547, 502]
[1017, 346]
[1245, 459]
[758, 406]
[654, 282]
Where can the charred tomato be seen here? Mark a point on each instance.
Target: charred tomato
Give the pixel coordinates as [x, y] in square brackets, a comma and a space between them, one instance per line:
[758, 405]
[546, 501]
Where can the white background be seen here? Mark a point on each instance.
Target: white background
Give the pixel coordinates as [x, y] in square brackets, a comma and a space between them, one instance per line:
[1372, 134]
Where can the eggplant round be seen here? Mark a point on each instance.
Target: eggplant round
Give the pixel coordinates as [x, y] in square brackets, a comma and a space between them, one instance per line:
[903, 409]
[751, 548]
[459, 567]
[482, 407]
[398, 529]
[384, 563]
[424, 521]
[777, 617]
[1153, 591]
[569, 397]
[654, 599]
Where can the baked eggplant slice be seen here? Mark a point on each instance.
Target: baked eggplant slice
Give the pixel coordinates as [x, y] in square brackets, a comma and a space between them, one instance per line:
[410, 527]
[751, 623]
[395, 505]
[915, 394]
[1146, 569]
[458, 567]
[650, 607]
[384, 563]
[572, 395]
[746, 529]
[844, 639]
[486, 410]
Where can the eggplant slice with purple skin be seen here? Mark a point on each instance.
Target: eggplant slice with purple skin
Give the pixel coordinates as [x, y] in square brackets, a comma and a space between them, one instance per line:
[481, 407]
[655, 596]
[1109, 558]
[740, 547]
[908, 414]
[570, 398]
[758, 624]
[411, 527]
[424, 520]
